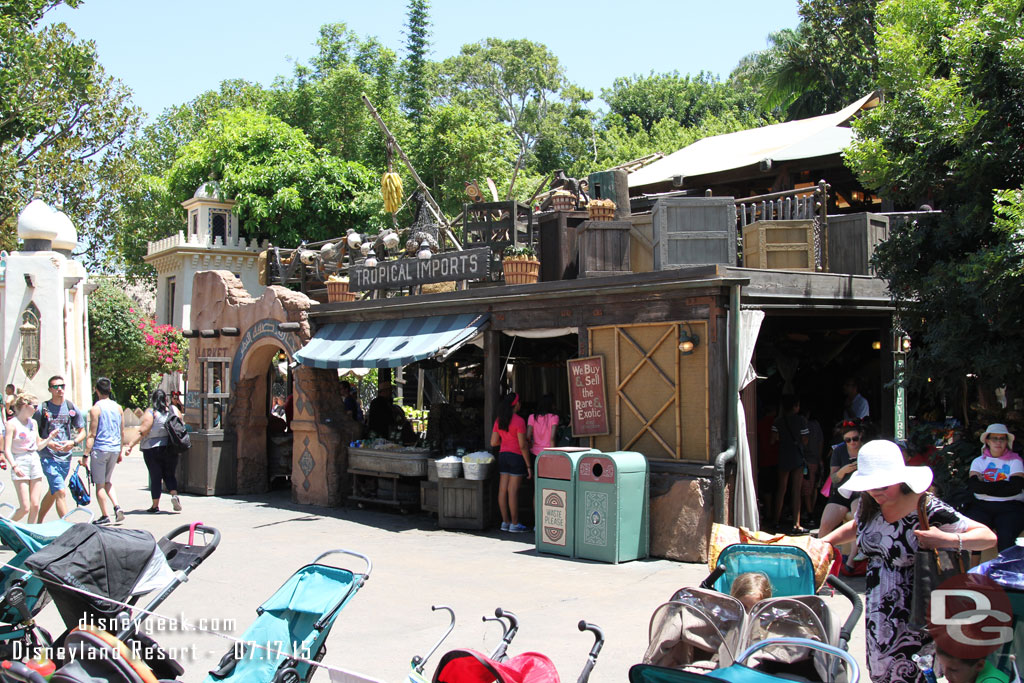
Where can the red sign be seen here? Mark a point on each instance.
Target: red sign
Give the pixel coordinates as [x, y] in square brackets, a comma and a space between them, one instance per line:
[587, 396]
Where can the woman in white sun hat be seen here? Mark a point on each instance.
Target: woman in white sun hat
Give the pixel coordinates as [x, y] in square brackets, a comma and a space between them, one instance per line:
[997, 482]
[887, 530]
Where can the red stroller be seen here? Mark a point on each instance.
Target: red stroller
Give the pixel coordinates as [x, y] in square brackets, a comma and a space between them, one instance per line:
[469, 666]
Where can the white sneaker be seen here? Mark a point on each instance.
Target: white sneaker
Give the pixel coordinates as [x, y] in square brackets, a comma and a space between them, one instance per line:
[176, 503]
[118, 515]
[504, 526]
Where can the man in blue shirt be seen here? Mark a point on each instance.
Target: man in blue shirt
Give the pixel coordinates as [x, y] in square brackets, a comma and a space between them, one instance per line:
[60, 414]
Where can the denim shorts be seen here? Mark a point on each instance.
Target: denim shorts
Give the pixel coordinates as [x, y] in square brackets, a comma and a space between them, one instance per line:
[56, 472]
[512, 464]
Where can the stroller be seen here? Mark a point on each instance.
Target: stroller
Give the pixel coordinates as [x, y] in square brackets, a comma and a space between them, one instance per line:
[469, 666]
[31, 596]
[704, 629]
[96, 575]
[297, 619]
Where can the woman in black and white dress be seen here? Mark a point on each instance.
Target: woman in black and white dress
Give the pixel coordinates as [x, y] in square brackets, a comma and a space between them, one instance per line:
[886, 527]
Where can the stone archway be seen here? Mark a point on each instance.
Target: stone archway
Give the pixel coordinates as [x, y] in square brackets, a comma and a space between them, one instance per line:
[242, 331]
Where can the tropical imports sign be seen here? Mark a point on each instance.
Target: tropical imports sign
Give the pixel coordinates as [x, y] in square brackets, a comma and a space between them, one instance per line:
[587, 396]
[471, 264]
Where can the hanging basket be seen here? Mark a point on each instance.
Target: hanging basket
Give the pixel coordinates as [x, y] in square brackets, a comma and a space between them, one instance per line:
[338, 292]
[521, 271]
[601, 210]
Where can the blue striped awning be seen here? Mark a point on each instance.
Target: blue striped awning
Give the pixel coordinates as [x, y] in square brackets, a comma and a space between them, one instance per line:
[387, 343]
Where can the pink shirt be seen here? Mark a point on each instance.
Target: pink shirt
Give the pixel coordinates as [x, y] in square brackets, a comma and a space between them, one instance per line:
[543, 431]
[510, 439]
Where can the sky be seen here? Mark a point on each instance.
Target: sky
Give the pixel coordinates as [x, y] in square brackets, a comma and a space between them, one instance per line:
[170, 52]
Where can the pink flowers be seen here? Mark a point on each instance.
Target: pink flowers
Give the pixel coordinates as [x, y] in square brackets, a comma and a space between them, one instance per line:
[167, 347]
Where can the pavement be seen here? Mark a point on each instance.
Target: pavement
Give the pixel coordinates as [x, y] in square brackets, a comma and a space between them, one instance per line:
[265, 538]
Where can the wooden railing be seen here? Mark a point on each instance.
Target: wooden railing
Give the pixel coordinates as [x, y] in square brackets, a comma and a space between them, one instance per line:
[807, 203]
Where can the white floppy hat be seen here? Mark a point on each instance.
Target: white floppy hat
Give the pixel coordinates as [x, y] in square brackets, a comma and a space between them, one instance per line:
[880, 464]
[998, 428]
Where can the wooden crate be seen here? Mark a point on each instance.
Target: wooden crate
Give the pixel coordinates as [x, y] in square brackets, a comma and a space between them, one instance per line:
[852, 239]
[465, 504]
[428, 496]
[557, 233]
[690, 231]
[779, 245]
[603, 248]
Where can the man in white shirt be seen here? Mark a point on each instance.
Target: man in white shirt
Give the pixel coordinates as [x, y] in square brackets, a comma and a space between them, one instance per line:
[855, 406]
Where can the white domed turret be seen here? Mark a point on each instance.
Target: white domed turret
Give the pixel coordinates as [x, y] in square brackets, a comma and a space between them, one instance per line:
[66, 240]
[37, 225]
[208, 190]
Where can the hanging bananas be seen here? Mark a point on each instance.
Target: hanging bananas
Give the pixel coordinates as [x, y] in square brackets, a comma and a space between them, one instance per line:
[391, 190]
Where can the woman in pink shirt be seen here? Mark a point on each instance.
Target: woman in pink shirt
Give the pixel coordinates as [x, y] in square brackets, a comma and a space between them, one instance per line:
[513, 461]
[540, 428]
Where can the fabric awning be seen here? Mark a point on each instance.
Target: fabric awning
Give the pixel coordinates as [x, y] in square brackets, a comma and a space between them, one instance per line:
[388, 343]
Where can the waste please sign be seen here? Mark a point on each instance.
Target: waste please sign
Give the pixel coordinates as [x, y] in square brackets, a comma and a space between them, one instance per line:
[587, 396]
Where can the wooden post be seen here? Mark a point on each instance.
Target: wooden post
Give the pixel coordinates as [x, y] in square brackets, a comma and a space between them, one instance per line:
[431, 204]
[492, 371]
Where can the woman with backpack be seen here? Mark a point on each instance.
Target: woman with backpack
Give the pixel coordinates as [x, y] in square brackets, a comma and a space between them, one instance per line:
[160, 455]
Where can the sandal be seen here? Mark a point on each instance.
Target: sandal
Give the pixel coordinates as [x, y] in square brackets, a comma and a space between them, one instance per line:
[799, 531]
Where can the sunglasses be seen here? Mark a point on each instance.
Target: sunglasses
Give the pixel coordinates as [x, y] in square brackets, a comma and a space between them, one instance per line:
[56, 386]
[851, 439]
[997, 438]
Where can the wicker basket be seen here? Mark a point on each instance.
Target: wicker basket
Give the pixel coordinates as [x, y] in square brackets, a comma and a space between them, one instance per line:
[476, 471]
[521, 271]
[338, 291]
[601, 210]
[449, 470]
[563, 201]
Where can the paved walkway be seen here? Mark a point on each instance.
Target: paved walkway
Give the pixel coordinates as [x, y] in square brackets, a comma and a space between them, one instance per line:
[416, 565]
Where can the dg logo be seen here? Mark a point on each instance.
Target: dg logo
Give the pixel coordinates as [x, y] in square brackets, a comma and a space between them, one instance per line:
[970, 616]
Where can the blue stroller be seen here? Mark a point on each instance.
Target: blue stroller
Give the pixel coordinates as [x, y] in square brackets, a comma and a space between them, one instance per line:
[292, 625]
[705, 630]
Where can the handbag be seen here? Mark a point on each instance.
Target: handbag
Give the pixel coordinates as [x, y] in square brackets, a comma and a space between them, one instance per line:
[931, 568]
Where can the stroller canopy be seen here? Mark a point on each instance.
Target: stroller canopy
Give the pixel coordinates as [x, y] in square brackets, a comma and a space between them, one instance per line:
[111, 562]
[469, 666]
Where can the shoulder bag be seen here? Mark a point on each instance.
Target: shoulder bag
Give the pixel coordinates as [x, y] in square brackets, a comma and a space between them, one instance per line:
[931, 568]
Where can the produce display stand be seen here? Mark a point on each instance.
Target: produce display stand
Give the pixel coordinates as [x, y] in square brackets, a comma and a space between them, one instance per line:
[379, 476]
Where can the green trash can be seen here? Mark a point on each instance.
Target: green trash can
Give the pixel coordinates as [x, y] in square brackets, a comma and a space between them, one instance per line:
[612, 507]
[555, 499]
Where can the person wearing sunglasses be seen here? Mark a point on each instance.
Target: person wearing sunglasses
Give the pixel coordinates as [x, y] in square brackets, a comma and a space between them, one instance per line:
[842, 465]
[997, 482]
[58, 413]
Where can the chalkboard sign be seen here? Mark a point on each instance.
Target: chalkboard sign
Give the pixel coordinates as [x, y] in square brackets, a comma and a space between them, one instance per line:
[587, 396]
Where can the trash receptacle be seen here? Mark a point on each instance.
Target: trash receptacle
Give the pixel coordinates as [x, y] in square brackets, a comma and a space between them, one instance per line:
[612, 507]
[555, 499]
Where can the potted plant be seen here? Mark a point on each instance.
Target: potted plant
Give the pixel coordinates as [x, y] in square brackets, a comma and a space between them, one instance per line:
[337, 289]
[520, 265]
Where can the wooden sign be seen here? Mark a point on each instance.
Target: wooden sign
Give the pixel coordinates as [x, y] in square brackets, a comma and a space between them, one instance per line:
[587, 396]
[471, 264]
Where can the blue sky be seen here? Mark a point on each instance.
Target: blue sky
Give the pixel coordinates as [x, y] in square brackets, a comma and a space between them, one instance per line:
[169, 52]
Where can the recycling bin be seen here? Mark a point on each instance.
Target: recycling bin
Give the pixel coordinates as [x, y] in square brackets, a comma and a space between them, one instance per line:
[555, 499]
[612, 507]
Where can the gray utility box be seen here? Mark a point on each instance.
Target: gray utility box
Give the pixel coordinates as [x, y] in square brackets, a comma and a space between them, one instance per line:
[692, 231]
[852, 239]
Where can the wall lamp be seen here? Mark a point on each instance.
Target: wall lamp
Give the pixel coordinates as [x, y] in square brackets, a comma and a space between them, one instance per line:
[688, 341]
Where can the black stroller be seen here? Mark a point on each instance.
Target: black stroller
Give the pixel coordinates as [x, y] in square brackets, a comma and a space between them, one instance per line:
[96, 575]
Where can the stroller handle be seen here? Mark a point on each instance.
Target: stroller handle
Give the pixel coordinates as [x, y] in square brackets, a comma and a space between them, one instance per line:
[594, 650]
[17, 671]
[79, 510]
[855, 613]
[191, 530]
[342, 551]
[709, 582]
[507, 633]
[419, 662]
[851, 663]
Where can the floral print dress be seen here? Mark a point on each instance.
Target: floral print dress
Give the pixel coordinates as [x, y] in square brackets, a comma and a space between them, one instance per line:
[890, 550]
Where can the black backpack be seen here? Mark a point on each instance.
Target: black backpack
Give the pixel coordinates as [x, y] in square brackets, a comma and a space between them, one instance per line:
[177, 433]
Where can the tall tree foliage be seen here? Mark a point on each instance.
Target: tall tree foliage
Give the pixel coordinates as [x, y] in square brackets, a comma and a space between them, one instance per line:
[417, 47]
[63, 126]
[950, 133]
[828, 61]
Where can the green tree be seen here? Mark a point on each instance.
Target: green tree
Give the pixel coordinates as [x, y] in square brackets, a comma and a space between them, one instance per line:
[950, 133]
[828, 61]
[417, 46]
[286, 190]
[117, 345]
[64, 125]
